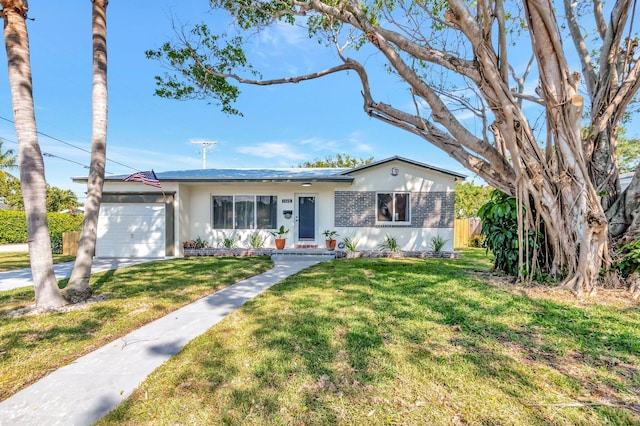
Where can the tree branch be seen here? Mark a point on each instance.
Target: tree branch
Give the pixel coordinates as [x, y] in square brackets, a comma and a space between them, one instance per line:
[581, 48]
[284, 80]
[620, 101]
[599, 17]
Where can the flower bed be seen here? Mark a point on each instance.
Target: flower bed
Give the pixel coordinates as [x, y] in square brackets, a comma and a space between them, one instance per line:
[208, 251]
[373, 254]
[386, 253]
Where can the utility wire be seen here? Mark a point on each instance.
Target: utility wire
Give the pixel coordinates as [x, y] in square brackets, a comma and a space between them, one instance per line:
[46, 154]
[71, 145]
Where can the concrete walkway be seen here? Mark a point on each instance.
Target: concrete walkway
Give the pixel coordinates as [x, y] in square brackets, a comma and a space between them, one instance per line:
[84, 391]
[6, 248]
[23, 277]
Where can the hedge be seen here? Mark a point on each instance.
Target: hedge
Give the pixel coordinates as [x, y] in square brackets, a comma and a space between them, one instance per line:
[13, 225]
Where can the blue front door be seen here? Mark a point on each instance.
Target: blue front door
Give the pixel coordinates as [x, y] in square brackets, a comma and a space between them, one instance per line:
[307, 218]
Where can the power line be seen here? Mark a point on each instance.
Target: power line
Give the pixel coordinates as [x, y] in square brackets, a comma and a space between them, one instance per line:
[71, 145]
[46, 154]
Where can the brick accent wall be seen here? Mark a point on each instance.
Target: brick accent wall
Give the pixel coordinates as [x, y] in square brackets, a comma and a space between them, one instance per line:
[355, 208]
[428, 209]
[432, 209]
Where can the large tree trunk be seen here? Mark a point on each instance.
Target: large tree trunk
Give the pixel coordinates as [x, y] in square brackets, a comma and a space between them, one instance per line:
[30, 160]
[570, 185]
[578, 217]
[78, 287]
[624, 215]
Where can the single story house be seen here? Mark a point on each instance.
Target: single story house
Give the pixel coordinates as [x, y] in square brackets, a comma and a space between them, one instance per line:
[411, 201]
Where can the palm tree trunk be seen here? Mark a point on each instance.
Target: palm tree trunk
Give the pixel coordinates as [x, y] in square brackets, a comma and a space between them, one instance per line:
[78, 287]
[32, 178]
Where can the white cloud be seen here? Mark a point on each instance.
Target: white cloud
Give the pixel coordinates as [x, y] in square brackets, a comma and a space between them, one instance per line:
[282, 33]
[278, 150]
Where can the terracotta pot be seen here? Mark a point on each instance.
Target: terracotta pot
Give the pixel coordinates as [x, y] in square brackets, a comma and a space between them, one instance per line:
[280, 243]
[331, 244]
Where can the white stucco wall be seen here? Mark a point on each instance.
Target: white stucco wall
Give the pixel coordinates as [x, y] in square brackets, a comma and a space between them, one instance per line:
[183, 222]
[409, 178]
[193, 206]
[200, 209]
[399, 176]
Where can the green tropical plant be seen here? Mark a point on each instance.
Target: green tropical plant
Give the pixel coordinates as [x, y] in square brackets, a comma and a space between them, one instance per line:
[329, 234]
[256, 240]
[351, 243]
[229, 242]
[7, 158]
[199, 243]
[437, 243]
[280, 233]
[630, 258]
[500, 228]
[390, 243]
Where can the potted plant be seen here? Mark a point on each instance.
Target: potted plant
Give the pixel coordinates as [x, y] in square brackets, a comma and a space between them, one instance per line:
[330, 241]
[351, 244]
[436, 244]
[279, 235]
[391, 244]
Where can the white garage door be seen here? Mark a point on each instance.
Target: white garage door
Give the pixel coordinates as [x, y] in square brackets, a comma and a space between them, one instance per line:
[131, 230]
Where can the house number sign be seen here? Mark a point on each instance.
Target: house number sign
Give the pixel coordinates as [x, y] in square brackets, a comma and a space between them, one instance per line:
[287, 200]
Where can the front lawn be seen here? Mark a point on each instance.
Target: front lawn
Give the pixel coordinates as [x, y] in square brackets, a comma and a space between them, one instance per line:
[33, 345]
[403, 341]
[20, 259]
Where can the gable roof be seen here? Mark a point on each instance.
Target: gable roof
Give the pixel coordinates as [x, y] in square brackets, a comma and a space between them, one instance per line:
[299, 174]
[406, 160]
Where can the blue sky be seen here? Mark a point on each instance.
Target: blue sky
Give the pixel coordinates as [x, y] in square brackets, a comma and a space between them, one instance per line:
[282, 125]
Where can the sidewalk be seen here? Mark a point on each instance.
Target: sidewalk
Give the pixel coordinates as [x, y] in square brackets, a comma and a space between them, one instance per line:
[83, 392]
[5, 248]
[23, 277]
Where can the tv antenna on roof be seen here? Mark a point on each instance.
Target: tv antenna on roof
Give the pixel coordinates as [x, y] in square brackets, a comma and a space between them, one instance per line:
[204, 144]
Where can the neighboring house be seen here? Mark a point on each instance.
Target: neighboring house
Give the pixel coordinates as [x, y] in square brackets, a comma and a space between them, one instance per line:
[625, 180]
[409, 200]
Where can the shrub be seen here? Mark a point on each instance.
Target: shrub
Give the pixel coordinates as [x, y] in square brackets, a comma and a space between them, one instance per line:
[13, 225]
[500, 228]
[56, 243]
[476, 240]
[390, 243]
[351, 243]
[229, 242]
[437, 243]
[256, 240]
[629, 258]
[199, 243]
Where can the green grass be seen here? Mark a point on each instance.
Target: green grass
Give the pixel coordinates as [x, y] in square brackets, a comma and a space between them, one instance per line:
[403, 341]
[33, 345]
[18, 260]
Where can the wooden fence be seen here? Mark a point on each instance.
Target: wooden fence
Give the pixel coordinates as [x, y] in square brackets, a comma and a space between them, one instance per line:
[70, 243]
[463, 230]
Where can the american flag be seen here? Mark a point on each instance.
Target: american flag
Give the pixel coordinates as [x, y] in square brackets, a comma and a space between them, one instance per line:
[148, 178]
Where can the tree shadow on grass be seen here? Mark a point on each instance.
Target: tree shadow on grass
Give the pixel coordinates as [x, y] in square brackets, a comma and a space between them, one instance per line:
[345, 333]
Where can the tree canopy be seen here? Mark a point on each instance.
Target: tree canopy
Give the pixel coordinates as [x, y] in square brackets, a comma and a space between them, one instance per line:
[57, 199]
[469, 198]
[8, 159]
[339, 160]
[463, 85]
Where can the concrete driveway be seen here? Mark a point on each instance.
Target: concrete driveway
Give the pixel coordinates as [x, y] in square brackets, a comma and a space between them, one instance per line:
[23, 277]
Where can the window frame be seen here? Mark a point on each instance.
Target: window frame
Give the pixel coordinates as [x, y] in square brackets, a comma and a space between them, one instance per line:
[393, 221]
[254, 225]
